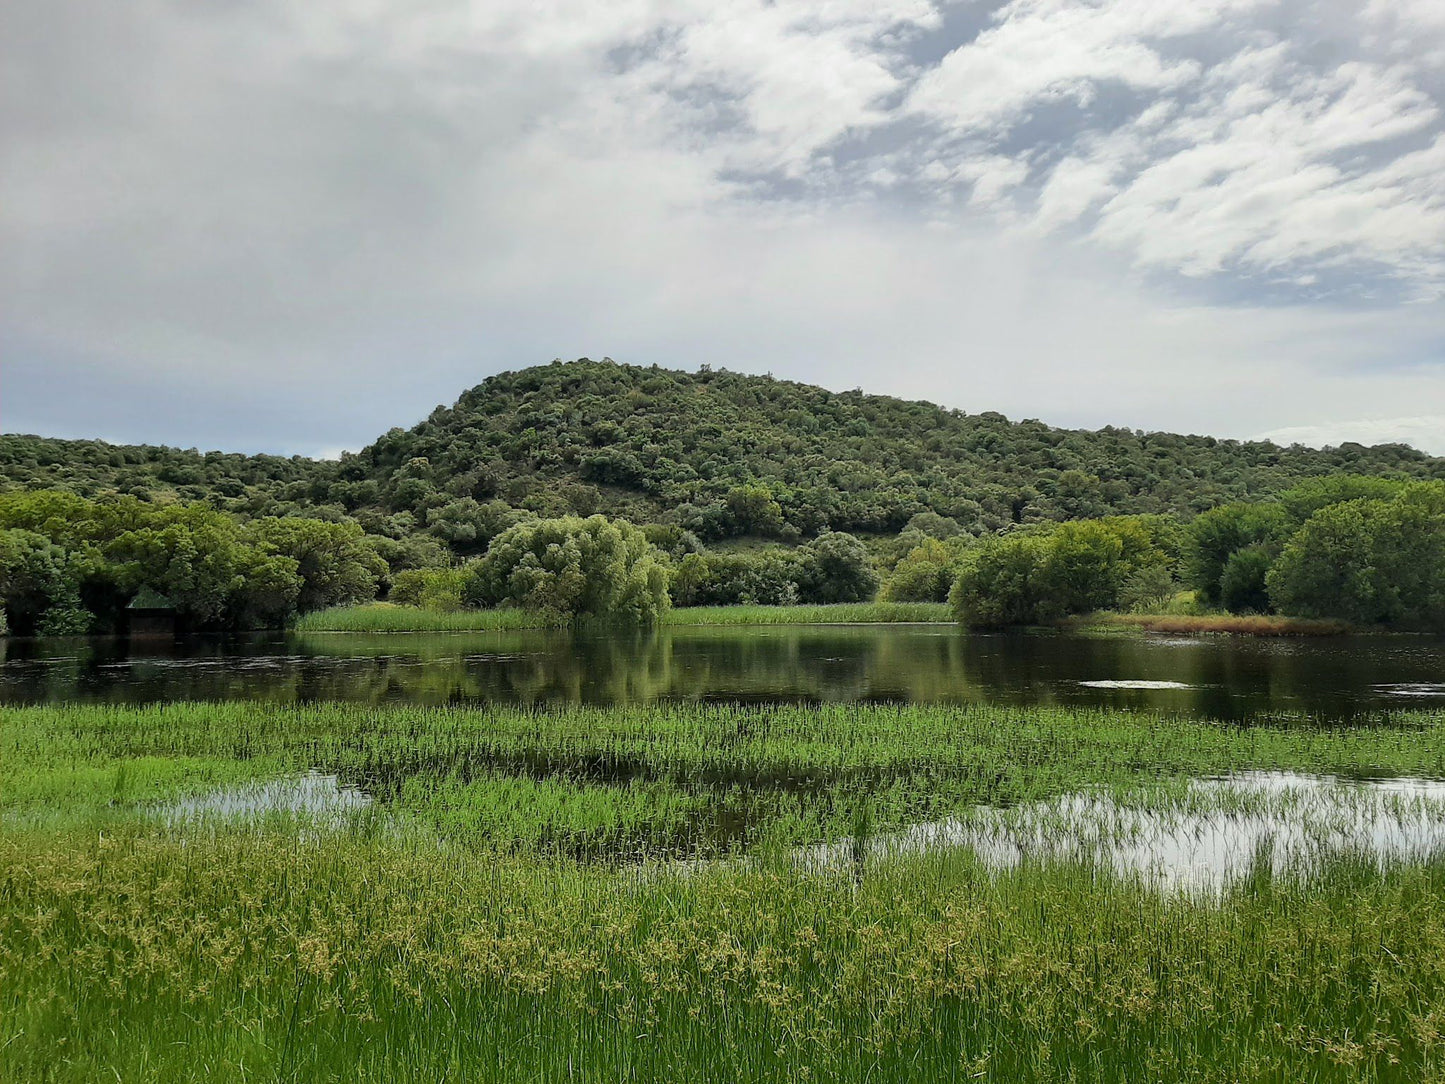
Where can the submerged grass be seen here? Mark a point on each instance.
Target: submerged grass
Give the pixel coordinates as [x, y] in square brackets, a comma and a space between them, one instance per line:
[388, 617]
[666, 778]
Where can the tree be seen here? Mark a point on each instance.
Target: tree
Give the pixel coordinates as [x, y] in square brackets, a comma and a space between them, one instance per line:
[40, 585]
[1368, 561]
[574, 567]
[925, 574]
[334, 561]
[1217, 534]
[835, 567]
[1001, 582]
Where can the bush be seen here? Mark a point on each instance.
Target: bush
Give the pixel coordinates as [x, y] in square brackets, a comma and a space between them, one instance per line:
[925, 574]
[835, 567]
[437, 589]
[572, 567]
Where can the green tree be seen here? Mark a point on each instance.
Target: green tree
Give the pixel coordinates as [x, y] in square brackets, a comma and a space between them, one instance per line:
[925, 574]
[835, 567]
[1217, 534]
[1368, 561]
[574, 567]
[335, 562]
[1000, 582]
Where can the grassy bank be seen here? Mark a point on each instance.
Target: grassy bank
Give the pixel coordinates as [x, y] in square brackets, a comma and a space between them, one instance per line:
[387, 617]
[1220, 624]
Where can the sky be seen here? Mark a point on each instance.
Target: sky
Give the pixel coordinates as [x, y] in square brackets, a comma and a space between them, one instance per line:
[261, 225]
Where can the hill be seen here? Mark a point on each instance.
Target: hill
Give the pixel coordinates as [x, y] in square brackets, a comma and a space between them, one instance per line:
[720, 453]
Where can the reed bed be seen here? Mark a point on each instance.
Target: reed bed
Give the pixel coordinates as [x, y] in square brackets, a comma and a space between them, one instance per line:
[668, 779]
[838, 613]
[1220, 624]
[243, 957]
[389, 617]
[538, 895]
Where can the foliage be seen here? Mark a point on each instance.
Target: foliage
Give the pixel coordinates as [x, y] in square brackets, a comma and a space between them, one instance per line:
[572, 567]
[1043, 574]
[925, 574]
[721, 454]
[835, 567]
[436, 589]
[1369, 561]
[68, 564]
[1221, 532]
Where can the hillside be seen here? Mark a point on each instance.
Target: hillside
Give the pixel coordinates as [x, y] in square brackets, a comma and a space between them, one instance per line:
[720, 453]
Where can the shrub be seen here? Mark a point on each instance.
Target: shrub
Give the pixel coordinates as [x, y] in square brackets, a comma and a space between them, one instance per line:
[572, 567]
[438, 589]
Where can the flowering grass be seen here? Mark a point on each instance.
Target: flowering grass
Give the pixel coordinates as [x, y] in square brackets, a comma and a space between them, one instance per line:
[508, 908]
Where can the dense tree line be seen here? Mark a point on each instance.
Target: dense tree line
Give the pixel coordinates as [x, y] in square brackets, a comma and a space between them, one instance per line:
[72, 565]
[1366, 550]
[718, 454]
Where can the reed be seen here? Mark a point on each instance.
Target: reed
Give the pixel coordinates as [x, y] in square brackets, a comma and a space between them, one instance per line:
[388, 617]
[1221, 624]
[239, 957]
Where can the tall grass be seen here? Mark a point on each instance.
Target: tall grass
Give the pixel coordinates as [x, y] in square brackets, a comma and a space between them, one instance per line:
[667, 778]
[387, 617]
[235, 958]
[1231, 624]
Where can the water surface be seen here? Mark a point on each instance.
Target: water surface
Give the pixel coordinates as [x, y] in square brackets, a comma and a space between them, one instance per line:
[1218, 677]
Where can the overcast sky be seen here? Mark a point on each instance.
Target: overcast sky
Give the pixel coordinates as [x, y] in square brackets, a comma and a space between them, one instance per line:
[286, 226]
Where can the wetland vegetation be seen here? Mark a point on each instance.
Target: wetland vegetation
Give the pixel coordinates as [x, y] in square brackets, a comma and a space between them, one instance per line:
[618, 894]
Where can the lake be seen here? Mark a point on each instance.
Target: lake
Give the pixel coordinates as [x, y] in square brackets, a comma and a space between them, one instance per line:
[1219, 677]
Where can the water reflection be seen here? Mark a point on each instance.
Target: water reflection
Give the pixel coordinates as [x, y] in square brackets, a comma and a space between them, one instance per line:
[1215, 677]
[1217, 831]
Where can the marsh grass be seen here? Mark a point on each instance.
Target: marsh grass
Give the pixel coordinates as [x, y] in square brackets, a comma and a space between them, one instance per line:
[1220, 624]
[510, 908]
[388, 617]
[239, 957]
[665, 779]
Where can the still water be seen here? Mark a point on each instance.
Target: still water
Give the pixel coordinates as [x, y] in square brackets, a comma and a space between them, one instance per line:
[1228, 678]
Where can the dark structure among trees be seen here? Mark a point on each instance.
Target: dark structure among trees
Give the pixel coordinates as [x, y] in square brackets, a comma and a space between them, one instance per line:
[150, 615]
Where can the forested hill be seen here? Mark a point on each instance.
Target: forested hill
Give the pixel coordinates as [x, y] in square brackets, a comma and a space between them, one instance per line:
[717, 452]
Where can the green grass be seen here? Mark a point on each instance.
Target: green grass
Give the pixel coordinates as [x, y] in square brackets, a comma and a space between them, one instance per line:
[841, 613]
[388, 617]
[664, 779]
[506, 910]
[242, 957]
[1226, 624]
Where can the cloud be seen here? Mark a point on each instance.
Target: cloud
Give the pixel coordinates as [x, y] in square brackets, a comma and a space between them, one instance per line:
[291, 226]
[1425, 431]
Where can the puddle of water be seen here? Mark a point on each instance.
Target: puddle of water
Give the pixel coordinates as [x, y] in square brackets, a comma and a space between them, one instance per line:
[314, 796]
[1203, 839]
[1135, 685]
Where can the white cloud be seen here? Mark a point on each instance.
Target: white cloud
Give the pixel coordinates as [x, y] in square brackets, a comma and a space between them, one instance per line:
[363, 207]
[1425, 431]
[1043, 50]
